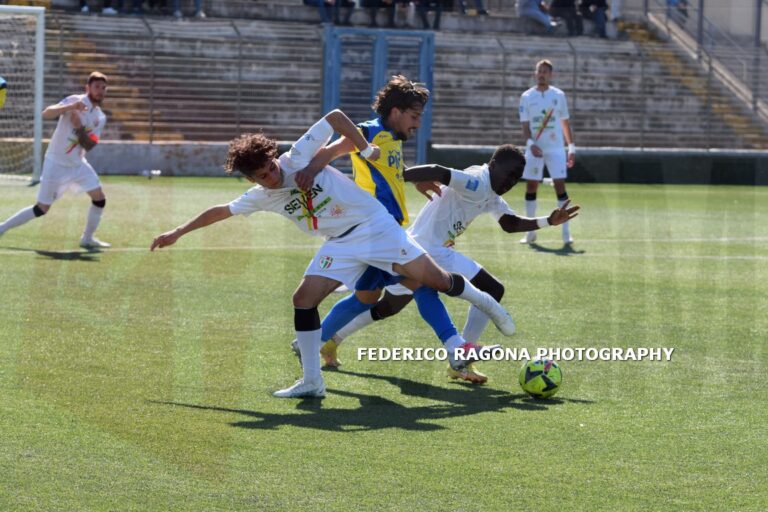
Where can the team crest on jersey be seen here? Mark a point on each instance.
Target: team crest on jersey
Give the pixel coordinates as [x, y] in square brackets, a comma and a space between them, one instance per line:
[326, 262]
[472, 185]
[337, 211]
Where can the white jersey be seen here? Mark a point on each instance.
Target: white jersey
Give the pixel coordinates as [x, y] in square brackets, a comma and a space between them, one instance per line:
[544, 111]
[64, 148]
[333, 206]
[447, 216]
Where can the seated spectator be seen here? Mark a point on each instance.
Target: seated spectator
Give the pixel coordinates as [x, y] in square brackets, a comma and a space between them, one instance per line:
[198, 9]
[430, 5]
[374, 5]
[537, 11]
[595, 10]
[566, 9]
[478, 4]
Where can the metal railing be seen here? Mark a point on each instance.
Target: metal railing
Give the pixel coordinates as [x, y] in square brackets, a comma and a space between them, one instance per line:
[213, 80]
[746, 60]
[622, 93]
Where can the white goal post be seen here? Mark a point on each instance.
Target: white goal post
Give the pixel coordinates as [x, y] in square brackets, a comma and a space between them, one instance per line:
[21, 121]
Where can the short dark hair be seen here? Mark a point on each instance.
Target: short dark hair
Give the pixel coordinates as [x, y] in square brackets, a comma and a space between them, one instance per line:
[399, 93]
[511, 158]
[545, 62]
[249, 152]
[96, 76]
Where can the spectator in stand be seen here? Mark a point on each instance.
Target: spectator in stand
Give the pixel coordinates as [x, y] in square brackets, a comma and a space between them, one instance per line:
[566, 9]
[595, 10]
[430, 5]
[478, 4]
[199, 13]
[375, 5]
[537, 11]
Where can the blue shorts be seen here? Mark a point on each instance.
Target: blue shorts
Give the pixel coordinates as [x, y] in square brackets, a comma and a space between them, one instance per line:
[374, 279]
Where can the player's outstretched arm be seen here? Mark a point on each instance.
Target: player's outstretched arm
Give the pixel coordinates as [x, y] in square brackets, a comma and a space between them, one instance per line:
[427, 178]
[515, 224]
[210, 216]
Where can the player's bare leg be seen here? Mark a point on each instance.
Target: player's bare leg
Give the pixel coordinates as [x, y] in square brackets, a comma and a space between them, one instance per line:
[424, 270]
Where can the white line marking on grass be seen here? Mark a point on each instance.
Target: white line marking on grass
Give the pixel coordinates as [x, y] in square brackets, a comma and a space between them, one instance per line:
[476, 250]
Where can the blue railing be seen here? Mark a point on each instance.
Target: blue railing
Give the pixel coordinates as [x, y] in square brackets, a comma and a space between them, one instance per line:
[358, 62]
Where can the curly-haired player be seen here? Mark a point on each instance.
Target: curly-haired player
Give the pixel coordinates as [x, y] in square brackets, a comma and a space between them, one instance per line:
[359, 232]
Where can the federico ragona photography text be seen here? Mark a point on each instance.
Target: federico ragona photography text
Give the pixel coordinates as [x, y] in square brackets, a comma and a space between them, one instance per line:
[517, 354]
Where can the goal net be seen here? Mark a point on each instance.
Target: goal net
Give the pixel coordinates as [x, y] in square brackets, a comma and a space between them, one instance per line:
[22, 48]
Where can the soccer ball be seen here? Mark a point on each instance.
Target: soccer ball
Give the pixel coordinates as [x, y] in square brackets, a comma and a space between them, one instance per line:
[540, 378]
[3, 90]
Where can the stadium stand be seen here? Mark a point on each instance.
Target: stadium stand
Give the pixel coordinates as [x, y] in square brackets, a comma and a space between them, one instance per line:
[217, 77]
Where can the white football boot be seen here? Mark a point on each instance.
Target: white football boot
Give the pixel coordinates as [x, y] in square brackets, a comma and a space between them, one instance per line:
[301, 389]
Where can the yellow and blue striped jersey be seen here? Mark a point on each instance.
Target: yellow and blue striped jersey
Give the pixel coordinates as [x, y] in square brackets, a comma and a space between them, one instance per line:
[383, 179]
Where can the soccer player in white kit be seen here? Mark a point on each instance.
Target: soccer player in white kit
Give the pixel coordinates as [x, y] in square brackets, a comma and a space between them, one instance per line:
[81, 122]
[359, 233]
[544, 116]
[464, 195]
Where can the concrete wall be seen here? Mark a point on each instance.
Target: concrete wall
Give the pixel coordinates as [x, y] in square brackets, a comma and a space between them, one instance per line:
[615, 165]
[735, 16]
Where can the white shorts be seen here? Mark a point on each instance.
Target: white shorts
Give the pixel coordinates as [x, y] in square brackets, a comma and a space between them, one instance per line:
[450, 260]
[345, 259]
[57, 179]
[555, 161]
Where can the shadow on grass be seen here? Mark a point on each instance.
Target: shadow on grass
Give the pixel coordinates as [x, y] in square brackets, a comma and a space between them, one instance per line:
[89, 255]
[81, 255]
[565, 250]
[377, 413]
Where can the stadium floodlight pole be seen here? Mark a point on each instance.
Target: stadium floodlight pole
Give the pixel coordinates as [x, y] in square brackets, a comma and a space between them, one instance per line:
[37, 133]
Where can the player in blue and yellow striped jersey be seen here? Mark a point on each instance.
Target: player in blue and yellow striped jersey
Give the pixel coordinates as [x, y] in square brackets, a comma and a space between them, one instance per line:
[399, 105]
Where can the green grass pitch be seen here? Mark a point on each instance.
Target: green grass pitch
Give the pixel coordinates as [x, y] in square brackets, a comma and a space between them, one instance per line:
[132, 380]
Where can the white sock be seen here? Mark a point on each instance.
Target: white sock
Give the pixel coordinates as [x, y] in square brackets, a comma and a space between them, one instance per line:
[94, 217]
[475, 325]
[530, 208]
[566, 226]
[471, 293]
[309, 346]
[364, 319]
[454, 342]
[19, 218]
